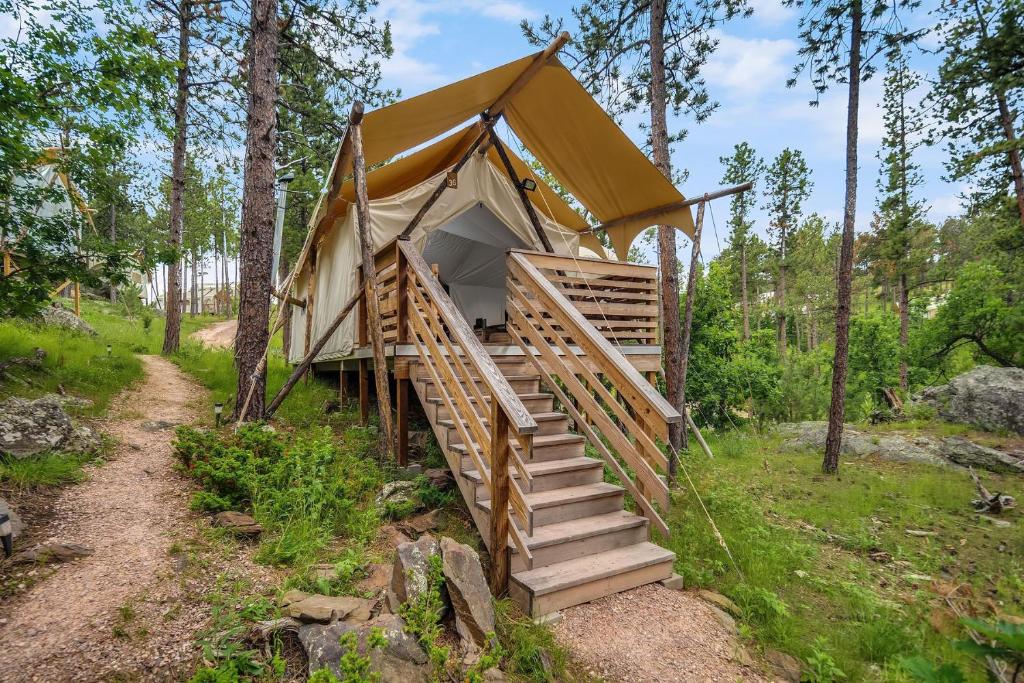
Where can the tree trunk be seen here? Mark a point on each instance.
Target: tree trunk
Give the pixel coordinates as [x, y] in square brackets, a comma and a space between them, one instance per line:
[216, 278]
[227, 285]
[691, 293]
[193, 305]
[1014, 154]
[172, 294]
[904, 331]
[780, 301]
[666, 234]
[258, 208]
[113, 239]
[743, 292]
[833, 440]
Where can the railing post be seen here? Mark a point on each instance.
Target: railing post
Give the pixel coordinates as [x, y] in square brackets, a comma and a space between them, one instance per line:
[402, 373]
[500, 557]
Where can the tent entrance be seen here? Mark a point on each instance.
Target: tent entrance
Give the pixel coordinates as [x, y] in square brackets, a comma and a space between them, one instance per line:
[470, 251]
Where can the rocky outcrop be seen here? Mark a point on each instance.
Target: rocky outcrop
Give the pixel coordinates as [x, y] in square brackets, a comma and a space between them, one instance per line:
[942, 451]
[28, 428]
[400, 660]
[986, 397]
[409, 577]
[468, 591]
[57, 316]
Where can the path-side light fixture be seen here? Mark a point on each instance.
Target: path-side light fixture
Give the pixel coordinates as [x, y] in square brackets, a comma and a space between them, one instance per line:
[218, 409]
[110, 350]
[529, 184]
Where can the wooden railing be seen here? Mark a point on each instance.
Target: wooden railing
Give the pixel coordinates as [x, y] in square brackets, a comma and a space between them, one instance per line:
[619, 299]
[484, 407]
[614, 407]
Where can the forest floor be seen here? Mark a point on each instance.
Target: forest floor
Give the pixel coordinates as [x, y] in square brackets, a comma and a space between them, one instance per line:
[132, 608]
[218, 335]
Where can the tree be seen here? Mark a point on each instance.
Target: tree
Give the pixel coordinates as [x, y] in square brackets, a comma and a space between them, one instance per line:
[812, 259]
[979, 93]
[742, 167]
[840, 38]
[787, 186]
[637, 54]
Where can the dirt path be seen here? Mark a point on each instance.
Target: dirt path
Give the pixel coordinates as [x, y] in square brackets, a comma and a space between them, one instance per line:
[653, 634]
[220, 335]
[129, 611]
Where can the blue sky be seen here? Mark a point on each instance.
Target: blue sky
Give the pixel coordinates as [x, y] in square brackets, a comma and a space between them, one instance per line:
[438, 42]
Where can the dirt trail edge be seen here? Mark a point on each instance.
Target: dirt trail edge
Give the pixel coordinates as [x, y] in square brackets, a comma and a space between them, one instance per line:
[218, 335]
[131, 609]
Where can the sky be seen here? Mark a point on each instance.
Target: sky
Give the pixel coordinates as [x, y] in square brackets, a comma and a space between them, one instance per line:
[437, 42]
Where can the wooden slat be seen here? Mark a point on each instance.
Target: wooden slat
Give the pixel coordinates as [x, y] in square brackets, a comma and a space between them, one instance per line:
[541, 260]
[646, 284]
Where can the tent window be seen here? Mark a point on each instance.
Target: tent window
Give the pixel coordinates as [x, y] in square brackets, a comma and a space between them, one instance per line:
[470, 253]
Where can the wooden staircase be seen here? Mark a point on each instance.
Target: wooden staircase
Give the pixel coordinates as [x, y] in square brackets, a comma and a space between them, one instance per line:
[561, 535]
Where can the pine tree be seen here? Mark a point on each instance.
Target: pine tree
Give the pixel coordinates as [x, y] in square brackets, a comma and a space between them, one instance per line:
[742, 167]
[979, 94]
[787, 185]
[840, 38]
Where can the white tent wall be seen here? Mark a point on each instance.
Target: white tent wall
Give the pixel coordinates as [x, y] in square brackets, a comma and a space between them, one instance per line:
[338, 259]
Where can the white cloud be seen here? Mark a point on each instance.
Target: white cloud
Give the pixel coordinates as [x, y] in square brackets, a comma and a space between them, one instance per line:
[772, 12]
[746, 67]
[503, 10]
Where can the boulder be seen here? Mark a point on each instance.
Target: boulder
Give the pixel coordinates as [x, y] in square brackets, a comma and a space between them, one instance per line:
[986, 397]
[292, 596]
[969, 454]
[811, 436]
[401, 660]
[237, 523]
[57, 316]
[325, 609]
[52, 552]
[393, 535]
[720, 601]
[409, 577]
[83, 440]
[420, 523]
[28, 428]
[468, 591]
[396, 493]
[377, 580]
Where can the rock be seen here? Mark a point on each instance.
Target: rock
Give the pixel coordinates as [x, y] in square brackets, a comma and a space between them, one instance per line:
[741, 656]
[83, 440]
[494, 675]
[674, 582]
[468, 591]
[811, 436]
[401, 660]
[57, 316]
[158, 425]
[28, 428]
[786, 667]
[237, 523]
[986, 397]
[969, 454]
[52, 552]
[418, 441]
[378, 579]
[414, 469]
[720, 601]
[265, 631]
[325, 609]
[420, 523]
[412, 567]
[393, 535]
[17, 526]
[292, 596]
[396, 493]
[725, 619]
[438, 477]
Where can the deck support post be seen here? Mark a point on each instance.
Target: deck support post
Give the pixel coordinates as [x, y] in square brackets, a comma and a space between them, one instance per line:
[380, 367]
[402, 389]
[364, 391]
[501, 560]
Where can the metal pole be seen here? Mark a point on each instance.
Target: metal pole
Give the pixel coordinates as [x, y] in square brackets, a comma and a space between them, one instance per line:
[282, 201]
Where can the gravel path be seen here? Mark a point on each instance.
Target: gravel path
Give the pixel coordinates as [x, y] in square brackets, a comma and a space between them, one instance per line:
[651, 633]
[131, 610]
[220, 335]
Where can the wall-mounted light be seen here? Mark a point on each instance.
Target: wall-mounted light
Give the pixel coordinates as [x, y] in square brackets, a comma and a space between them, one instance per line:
[218, 409]
[528, 184]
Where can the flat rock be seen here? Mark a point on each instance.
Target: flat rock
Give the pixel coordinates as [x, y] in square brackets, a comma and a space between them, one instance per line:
[419, 524]
[986, 397]
[29, 428]
[158, 425]
[377, 580]
[237, 523]
[393, 535]
[412, 566]
[964, 452]
[292, 596]
[325, 609]
[468, 591]
[720, 601]
[401, 660]
[52, 552]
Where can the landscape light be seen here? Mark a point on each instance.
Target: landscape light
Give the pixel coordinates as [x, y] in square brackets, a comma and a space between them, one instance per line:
[218, 408]
[110, 350]
[529, 184]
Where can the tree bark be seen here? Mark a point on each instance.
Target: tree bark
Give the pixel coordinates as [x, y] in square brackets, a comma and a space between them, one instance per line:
[904, 331]
[780, 302]
[258, 208]
[193, 304]
[833, 441]
[224, 264]
[667, 263]
[113, 239]
[172, 293]
[743, 292]
[691, 293]
[1014, 154]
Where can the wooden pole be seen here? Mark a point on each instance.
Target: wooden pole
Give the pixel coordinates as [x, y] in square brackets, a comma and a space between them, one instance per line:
[307, 360]
[500, 557]
[402, 375]
[380, 367]
[518, 183]
[697, 435]
[691, 292]
[659, 211]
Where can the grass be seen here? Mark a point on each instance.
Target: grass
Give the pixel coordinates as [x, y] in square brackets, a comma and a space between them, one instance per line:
[804, 576]
[42, 471]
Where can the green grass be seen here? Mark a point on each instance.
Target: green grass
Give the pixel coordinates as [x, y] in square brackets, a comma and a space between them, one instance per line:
[802, 543]
[44, 470]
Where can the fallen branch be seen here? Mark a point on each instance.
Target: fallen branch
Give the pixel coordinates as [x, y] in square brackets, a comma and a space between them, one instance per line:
[989, 503]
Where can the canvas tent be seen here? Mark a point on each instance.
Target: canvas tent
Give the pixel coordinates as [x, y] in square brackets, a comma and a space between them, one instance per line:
[467, 226]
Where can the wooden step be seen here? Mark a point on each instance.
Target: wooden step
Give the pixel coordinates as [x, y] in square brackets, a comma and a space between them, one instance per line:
[563, 584]
[547, 475]
[572, 502]
[521, 384]
[507, 365]
[548, 424]
[551, 447]
[576, 538]
[534, 402]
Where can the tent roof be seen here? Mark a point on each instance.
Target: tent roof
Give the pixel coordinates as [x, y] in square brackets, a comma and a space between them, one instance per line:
[558, 122]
